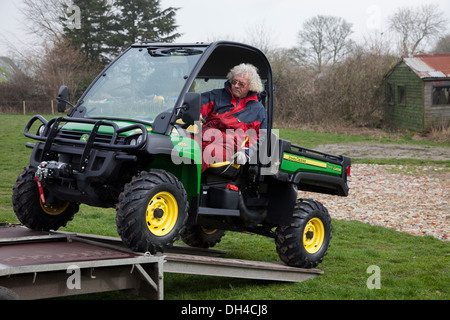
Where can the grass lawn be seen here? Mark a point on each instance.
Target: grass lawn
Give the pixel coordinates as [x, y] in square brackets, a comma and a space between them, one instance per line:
[410, 267]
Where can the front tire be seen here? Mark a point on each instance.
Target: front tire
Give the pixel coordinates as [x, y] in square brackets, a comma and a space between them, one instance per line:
[152, 211]
[305, 241]
[30, 210]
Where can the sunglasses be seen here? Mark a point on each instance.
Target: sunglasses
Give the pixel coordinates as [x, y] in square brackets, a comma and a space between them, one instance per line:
[237, 83]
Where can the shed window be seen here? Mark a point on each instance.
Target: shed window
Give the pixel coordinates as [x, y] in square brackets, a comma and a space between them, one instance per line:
[401, 95]
[441, 95]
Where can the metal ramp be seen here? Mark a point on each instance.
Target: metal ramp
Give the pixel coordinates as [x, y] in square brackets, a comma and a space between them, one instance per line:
[38, 265]
[35, 264]
[236, 268]
[188, 260]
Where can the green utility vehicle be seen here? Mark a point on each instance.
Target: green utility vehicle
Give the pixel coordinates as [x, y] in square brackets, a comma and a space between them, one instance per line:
[129, 144]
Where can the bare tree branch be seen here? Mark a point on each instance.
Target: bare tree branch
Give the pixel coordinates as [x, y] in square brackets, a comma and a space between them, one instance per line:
[260, 35]
[417, 26]
[325, 39]
[338, 33]
[43, 17]
[443, 45]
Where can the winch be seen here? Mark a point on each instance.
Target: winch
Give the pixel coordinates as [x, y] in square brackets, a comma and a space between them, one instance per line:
[48, 170]
[53, 169]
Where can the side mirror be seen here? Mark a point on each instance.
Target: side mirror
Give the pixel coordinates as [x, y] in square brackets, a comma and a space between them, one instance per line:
[191, 107]
[62, 98]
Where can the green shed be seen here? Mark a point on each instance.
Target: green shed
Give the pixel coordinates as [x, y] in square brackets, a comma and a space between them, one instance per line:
[418, 92]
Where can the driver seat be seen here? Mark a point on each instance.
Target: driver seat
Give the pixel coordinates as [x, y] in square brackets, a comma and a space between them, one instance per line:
[228, 169]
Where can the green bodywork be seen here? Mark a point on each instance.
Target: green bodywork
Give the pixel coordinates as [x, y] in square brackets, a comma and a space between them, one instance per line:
[184, 161]
[87, 127]
[292, 163]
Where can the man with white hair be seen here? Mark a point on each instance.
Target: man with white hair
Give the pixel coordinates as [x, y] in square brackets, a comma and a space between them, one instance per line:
[231, 115]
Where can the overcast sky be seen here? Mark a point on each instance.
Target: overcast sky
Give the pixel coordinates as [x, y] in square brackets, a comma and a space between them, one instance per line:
[206, 20]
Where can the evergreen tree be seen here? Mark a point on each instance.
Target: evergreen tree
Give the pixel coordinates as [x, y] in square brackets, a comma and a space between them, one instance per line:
[97, 22]
[109, 27]
[143, 20]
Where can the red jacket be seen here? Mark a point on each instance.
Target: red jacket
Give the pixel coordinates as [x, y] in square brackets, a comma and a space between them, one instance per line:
[222, 111]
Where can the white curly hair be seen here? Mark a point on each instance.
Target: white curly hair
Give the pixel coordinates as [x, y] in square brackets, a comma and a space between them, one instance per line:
[250, 72]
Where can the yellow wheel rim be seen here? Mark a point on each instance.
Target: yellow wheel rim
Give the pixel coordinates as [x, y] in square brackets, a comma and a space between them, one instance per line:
[162, 213]
[208, 231]
[313, 235]
[55, 208]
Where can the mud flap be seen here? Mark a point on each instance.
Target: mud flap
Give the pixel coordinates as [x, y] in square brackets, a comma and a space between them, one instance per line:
[281, 202]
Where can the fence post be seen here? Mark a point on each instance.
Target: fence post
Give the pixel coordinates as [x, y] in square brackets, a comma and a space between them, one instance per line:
[53, 108]
[24, 108]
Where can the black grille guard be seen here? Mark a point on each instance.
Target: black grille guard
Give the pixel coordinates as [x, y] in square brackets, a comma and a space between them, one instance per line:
[49, 135]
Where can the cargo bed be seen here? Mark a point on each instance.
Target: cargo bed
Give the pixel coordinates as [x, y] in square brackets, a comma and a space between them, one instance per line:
[313, 170]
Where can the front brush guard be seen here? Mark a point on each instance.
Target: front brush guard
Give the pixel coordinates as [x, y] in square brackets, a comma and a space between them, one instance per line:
[51, 128]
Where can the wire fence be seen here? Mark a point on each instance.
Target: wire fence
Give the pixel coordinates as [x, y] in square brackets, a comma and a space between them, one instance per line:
[29, 106]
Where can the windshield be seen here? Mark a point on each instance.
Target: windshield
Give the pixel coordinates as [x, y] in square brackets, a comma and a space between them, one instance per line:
[141, 84]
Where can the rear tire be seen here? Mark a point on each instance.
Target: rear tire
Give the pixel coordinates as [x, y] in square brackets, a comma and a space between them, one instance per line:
[306, 240]
[201, 237]
[152, 211]
[32, 213]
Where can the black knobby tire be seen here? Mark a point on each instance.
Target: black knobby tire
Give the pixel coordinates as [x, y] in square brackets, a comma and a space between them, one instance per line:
[201, 237]
[306, 240]
[152, 211]
[31, 212]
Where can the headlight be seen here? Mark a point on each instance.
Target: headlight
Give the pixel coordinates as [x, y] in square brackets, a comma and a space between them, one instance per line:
[139, 139]
[135, 140]
[41, 130]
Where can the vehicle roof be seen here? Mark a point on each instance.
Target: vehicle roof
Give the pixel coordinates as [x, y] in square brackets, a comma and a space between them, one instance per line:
[220, 56]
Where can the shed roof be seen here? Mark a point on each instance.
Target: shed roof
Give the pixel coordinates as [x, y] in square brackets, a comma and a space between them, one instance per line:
[435, 65]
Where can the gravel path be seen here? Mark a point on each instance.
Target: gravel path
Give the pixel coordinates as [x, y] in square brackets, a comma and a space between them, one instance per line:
[387, 150]
[385, 195]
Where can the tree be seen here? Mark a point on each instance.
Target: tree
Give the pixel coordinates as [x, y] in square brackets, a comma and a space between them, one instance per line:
[337, 35]
[64, 64]
[443, 45]
[97, 21]
[42, 17]
[262, 37]
[324, 39]
[415, 27]
[107, 26]
[143, 20]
